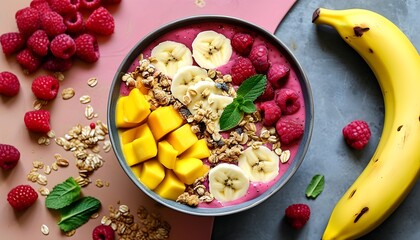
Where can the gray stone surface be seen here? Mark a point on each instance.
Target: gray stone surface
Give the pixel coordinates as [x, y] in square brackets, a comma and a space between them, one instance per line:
[344, 88]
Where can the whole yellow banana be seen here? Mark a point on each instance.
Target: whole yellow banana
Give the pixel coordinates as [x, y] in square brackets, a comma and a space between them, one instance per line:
[395, 165]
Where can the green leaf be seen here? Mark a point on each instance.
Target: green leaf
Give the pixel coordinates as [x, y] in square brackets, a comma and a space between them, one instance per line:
[252, 87]
[231, 116]
[63, 194]
[248, 107]
[315, 187]
[78, 213]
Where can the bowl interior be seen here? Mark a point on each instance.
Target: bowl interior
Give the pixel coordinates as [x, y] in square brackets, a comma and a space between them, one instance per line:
[133, 56]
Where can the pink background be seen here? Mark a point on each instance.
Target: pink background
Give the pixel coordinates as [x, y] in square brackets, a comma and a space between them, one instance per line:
[134, 19]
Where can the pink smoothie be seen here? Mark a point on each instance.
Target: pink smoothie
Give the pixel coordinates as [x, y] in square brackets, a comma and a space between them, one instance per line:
[186, 36]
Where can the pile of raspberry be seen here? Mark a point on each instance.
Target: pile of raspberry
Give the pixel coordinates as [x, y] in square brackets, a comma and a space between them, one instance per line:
[51, 34]
[278, 103]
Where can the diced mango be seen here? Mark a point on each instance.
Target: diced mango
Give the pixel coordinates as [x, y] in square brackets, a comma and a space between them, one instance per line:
[128, 135]
[198, 150]
[166, 154]
[182, 138]
[171, 187]
[164, 120]
[188, 169]
[119, 114]
[144, 145]
[141, 87]
[136, 108]
[150, 173]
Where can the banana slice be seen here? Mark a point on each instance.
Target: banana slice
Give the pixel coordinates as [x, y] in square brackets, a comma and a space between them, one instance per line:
[171, 56]
[260, 165]
[211, 49]
[185, 78]
[227, 182]
[201, 91]
[218, 103]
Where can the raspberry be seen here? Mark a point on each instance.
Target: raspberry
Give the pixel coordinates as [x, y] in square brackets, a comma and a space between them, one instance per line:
[28, 21]
[53, 23]
[289, 130]
[64, 6]
[38, 121]
[357, 134]
[12, 42]
[277, 73]
[103, 232]
[45, 87]
[22, 196]
[100, 22]
[74, 22]
[9, 156]
[298, 215]
[28, 60]
[39, 43]
[55, 64]
[241, 70]
[41, 6]
[270, 113]
[90, 4]
[288, 100]
[9, 84]
[63, 46]
[259, 58]
[87, 48]
[268, 93]
[242, 43]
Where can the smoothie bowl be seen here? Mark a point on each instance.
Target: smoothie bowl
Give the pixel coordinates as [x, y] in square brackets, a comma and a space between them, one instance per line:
[210, 115]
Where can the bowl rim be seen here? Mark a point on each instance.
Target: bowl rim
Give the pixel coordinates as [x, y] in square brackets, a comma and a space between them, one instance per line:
[134, 53]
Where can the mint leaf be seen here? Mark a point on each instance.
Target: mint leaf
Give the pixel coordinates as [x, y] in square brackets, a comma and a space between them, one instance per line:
[252, 87]
[63, 194]
[248, 107]
[231, 116]
[315, 187]
[78, 213]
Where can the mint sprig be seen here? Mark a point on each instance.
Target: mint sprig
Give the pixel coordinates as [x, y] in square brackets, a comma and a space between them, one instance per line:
[78, 213]
[315, 187]
[247, 93]
[63, 194]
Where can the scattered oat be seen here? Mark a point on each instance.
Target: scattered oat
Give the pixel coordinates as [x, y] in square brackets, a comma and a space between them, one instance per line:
[89, 114]
[92, 81]
[70, 233]
[85, 99]
[62, 162]
[42, 180]
[107, 146]
[44, 191]
[38, 104]
[59, 76]
[67, 93]
[99, 183]
[200, 3]
[95, 215]
[44, 229]
[47, 169]
[37, 164]
[51, 134]
[284, 156]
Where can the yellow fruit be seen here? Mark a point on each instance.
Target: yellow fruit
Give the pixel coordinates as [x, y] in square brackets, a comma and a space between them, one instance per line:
[130, 156]
[164, 120]
[171, 187]
[136, 108]
[182, 138]
[197, 150]
[150, 173]
[145, 145]
[166, 154]
[141, 87]
[188, 169]
[128, 135]
[119, 114]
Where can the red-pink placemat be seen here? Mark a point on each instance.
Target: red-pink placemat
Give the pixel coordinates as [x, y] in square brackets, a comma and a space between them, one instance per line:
[134, 19]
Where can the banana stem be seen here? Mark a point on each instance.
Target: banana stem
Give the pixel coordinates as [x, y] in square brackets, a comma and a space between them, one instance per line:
[327, 17]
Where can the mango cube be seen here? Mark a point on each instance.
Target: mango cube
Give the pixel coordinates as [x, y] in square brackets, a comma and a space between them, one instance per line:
[182, 138]
[144, 146]
[166, 154]
[150, 173]
[130, 156]
[128, 135]
[119, 114]
[188, 169]
[136, 108]
[171, 187]
[164, 120]
[198, 150]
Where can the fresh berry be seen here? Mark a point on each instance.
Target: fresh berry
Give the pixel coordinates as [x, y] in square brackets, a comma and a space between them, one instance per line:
[110, 1]
[41, 6]
[74, 22]
[9, 156]
[45, 87]
[55, 64]
[276, 74]
[9, 84]
[357, 134]
[12, 42]
[63, 46]
[268, 93]
[259, 58]
[289, 130]
[242, 43]
[39, 43]
[90, 4]
[92, 125]
[270, 113]
[28, 60]
[22, 196]
[64, 6]
[288, 100]
[241, 70]
[53, 23]
[101, 22]
[28, 21]
[103, 232]
[87, 48]
[38, 121]
[298, 214]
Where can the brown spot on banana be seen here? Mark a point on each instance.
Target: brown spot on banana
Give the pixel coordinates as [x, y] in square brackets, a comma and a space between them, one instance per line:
[399, 128]
[352, 193]
[359, 31]
[361, 213]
